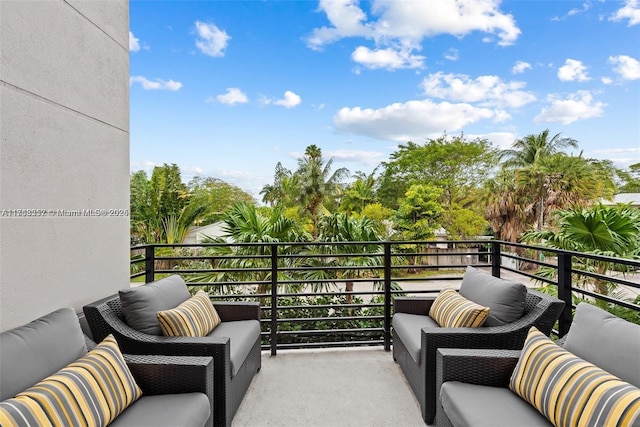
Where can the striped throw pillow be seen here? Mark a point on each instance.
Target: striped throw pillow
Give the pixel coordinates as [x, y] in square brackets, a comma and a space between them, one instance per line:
[92, 391]
[570, 391]
[195, 317]
[452, 310]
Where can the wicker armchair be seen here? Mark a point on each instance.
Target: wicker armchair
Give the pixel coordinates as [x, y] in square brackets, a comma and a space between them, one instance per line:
[106, 317]
[540, 310]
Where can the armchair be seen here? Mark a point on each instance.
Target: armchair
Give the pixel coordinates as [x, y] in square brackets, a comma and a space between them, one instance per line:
[234, 346]
[416, 339]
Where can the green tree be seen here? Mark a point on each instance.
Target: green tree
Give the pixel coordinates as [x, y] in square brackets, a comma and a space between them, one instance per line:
[359, 193]
[629, 179]
[285, 189]
[531, 148]
[455, 165]
[339, 228]
[381, 217]
[419, 212]
[318, 185]
[242, 223]
[602, 230]
[216, 195]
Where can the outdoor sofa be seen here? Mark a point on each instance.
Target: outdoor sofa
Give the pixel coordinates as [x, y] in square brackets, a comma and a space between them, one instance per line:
[234, 344]
[52, 352]
[416, 336]
[589, 377]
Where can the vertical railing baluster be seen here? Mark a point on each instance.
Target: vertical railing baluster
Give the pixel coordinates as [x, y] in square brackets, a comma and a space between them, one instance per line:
[150, 263]
[387, 296]
[495, 258]
[274, 299]
[565, 292]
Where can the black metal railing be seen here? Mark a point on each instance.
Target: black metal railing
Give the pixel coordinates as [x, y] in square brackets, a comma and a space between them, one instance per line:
[341, 293]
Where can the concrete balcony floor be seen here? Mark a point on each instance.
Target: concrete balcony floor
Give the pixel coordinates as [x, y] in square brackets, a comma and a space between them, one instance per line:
[329, 388]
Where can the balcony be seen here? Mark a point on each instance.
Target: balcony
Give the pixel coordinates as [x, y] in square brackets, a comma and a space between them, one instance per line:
[340, 294]
[326, 359]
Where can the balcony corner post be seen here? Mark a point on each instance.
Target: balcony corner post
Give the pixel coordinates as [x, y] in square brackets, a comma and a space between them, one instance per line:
[495, 258]
[565, 292]
[149, 263]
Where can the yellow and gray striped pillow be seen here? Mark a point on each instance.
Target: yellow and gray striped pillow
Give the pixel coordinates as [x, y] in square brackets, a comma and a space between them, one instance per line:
[195, 317]
[570, 391]
[452, 310]
[91, 391]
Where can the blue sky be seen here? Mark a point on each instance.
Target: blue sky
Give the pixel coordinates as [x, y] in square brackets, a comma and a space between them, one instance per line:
[229, 88]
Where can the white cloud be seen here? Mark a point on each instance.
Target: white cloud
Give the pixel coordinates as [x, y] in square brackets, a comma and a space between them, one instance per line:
[212, 41]
[573, 70]
[156, 84]
[501, 140]
[134, 43]
[520, 67]
[627, 67]
[630, 11]
[487, 90]
[412, 120]
[585, 6]
[452, 54]
[606, 80]
[233, 96]
[577, 106]
[387, 58]
[401, 25]
[290, 100]
[368, 158]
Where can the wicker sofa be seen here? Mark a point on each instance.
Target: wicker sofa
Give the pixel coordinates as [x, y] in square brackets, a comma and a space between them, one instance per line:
[234, 344]
[416, 337]
[175, 390]
[472, 384]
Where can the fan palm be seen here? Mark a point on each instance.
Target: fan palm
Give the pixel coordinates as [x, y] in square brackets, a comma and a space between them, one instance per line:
[603, 230]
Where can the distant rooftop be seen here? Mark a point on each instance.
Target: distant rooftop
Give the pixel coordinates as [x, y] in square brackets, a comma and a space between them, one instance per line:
[633, 198]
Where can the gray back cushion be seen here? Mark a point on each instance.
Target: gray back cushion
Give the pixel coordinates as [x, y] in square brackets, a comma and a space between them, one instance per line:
[140, 304]
[34, 351]
[504, 298]
[607, 341]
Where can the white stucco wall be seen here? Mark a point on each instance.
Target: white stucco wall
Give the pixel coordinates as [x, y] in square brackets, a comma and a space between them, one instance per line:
[64, 128]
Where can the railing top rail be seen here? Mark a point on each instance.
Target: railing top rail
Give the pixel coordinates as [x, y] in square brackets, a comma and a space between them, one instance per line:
[596, 257]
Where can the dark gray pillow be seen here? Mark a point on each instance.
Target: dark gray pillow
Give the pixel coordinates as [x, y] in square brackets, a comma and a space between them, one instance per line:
[607, 341]
[140, 304]
[504, 298]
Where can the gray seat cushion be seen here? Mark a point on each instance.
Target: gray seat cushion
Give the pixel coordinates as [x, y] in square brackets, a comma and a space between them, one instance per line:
[242, 335]
[408, 327]
[505, 299]
[166, 410]
[607, 341]
[34, 351]
[471, 405]
[140, 304]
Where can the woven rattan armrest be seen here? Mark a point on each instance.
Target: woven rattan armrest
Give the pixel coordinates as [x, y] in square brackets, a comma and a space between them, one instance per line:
[232, 311]
[413, 305]
[172, 374]
[473, 366]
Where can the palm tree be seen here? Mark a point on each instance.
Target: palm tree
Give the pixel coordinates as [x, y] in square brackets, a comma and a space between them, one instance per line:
[508, 208]
[359, 193]
[243, 224]
[285, 188]
[317, 183]
[603, 230]
[527, 150]
[339, 229]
